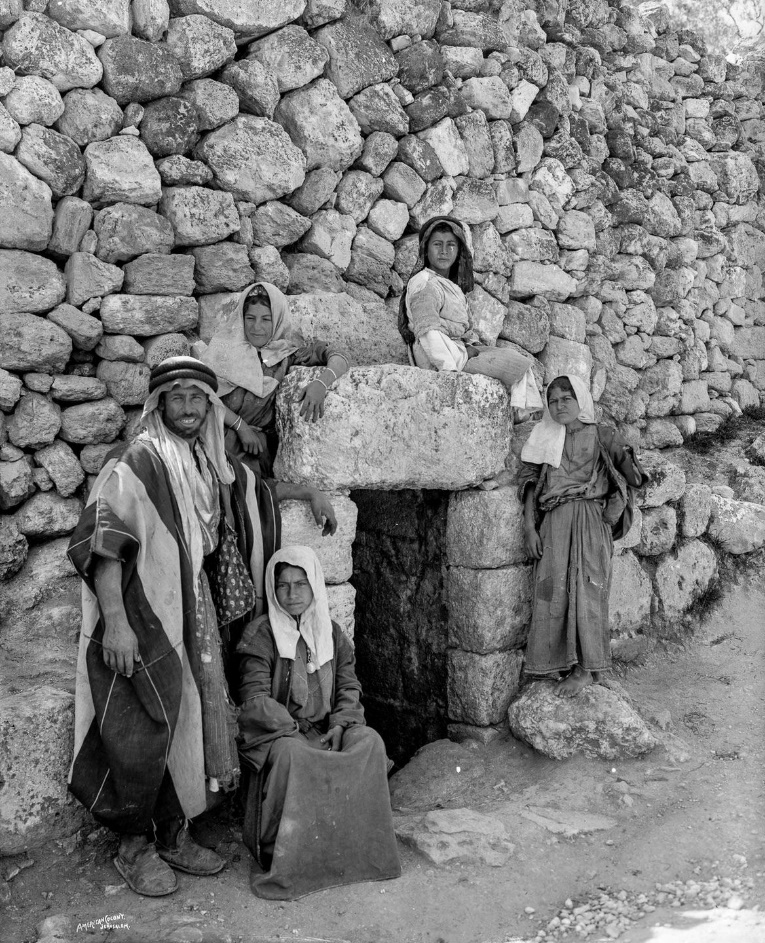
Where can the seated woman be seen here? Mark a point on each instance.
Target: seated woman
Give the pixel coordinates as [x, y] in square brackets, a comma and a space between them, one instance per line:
[251, 352]
[434, 319]
[317, 804]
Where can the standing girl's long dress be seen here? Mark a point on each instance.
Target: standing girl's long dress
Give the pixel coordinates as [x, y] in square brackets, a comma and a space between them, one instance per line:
[572, 581]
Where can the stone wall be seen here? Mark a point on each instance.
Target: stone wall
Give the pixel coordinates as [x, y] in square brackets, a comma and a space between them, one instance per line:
[156, 155]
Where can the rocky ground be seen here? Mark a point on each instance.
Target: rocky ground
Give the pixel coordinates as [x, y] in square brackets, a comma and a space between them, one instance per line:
[667, 848]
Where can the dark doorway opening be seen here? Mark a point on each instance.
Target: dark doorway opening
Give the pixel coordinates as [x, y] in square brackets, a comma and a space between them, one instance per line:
[401, 615]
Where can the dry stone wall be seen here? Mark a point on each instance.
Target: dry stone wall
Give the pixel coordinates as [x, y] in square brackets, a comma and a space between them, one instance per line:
[158, 154]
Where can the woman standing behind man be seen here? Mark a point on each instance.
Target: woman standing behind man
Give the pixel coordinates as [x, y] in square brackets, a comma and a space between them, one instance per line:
[251, 351]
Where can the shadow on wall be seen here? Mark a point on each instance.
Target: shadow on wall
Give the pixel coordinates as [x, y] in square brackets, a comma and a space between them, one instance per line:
[401, 617]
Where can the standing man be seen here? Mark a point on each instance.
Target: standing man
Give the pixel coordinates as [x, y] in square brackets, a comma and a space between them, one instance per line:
[172, 548]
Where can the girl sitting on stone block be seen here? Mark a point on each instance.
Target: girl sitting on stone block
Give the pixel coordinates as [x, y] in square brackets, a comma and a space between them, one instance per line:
[575, 485]
[251, 352]
[434, 319]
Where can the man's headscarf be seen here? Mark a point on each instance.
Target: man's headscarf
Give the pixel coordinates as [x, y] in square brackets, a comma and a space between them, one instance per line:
[233, 358]
[545, 444]
[463, 277]
[193, 486]
[315, 622]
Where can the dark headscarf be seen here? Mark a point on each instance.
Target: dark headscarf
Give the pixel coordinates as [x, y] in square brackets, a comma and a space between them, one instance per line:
[461, 272]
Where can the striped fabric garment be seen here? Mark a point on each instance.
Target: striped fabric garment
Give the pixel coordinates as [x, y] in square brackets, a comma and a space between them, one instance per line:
[130, 732]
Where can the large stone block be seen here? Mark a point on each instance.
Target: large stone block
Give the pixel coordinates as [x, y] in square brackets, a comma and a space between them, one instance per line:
[215, 102]
[597, 722]
[659, 531]
[368, 331]
[737, 526]
[395, 427]
[683, 576]
[534, 278]
[564, 356]
[630, 600]
[666, 481]
[322, 125]
[46, 572]
[16, 485]
[224, 266]
[125, 231]
[29, 282]
[88, 277]
[489, 610]
[403, 17]
[334, 553]
[254, 159]
[695, 507]
[137, 71]
[480, 687]
[199, 216]
[146, 315]
[26, 211]
[107, 17]
[61, 464]
[31, 100]
[158, 274]
[35, 422]
[357, 56]
[36, 45]
[92, 423]
[37, 733]
[32, 343]
[199, 45]
[245, 17]
[293, 57]
[485, 529]
[127, 383]
[89, 115]
[46, 514]
[120, 170]
[52, 157]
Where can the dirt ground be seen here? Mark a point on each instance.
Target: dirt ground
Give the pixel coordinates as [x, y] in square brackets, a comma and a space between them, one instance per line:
[691, 810]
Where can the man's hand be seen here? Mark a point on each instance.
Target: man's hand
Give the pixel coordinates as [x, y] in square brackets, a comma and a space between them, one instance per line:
[533, 542]
[250, 439]
[333, 739]
[120, 647]
[312, 395]
[323, 512]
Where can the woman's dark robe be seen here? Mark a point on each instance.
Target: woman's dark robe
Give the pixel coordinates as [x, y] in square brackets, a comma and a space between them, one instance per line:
[325, 817]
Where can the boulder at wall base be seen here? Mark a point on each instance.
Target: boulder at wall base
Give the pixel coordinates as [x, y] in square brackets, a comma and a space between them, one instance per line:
[391, 427]
[597, 722]
[445, 836]
[36, 730]
[334, 553]
[629, 604]
[684, 575]
[736, 526]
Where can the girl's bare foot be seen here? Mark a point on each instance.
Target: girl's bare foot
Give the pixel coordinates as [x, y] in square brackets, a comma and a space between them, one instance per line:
[574, 683]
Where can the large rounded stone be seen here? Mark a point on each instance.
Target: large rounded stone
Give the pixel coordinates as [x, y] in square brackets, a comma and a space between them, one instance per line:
[52, 157]
[35, 45]
[737, 526]
[683, 576]
[69, 388]
[33, 99]
[255, 86]
[71, 221]
[357, 56]
[61, 464]
[666, 481]
[92, 423]
[403, 17]
[84, 329]
[275, 224]
[28, 283]
[125, 231]
[147, 315]
[377, 108]
[659, 531]
[127, 383]
[137, 71]
[88, 277]
[254, 159]
[395, 427]
[199, 45]
[16, 485]
[199, 216]
[527, 326]
[629, 605]
[89, 115]
[224, 266]
[597, 722]
[120, 170]
[107, 17]
[48, 515]
[321, 125]
[26, 211]
[35, 422]
[293, 57]
[169, 126]
[246, 17]
[215, 102]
